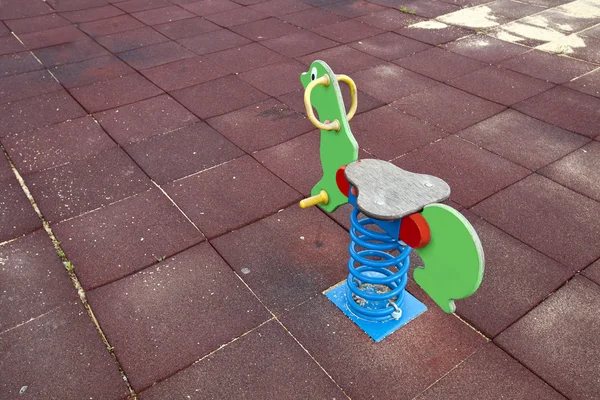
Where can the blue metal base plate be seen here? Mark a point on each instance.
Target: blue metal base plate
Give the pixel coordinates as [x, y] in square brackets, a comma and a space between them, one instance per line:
[377, 330]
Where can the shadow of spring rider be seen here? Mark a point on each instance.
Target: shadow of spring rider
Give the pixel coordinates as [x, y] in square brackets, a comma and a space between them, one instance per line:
[400, 212]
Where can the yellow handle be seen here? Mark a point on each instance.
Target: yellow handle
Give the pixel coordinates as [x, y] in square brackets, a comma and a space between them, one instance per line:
[332, 126]
[314, 200]
[353, 94]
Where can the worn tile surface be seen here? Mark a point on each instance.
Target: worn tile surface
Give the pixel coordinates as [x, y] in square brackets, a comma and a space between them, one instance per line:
[34, 280]
[539, 143]
[72, 189]
[182, 152]
[244, 196]
[567, 323]
[124, 237]
[301, 243]
[56, 145]
[490, 373]
[439, 64]
[38, 362]
[549, 217]
[161, 337]
[268, 353]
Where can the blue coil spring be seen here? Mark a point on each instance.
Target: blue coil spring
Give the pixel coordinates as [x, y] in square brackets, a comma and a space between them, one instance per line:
[370, 271]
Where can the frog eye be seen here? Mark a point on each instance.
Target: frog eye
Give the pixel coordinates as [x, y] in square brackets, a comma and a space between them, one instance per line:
[313, 74]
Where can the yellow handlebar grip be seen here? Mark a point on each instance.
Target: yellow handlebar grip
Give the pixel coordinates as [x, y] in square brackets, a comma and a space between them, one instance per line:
[314, 200]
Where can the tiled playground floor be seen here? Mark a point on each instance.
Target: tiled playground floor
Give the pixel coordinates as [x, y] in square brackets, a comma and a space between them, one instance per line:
[151, 244]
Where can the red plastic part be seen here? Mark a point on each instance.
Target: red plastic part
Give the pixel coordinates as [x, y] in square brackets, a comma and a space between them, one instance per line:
[414, 231]
[342, 182]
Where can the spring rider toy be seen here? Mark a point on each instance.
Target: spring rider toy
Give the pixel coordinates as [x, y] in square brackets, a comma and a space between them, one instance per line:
[401, 213]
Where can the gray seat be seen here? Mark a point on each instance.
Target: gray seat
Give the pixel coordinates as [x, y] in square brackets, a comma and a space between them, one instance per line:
[387, 192]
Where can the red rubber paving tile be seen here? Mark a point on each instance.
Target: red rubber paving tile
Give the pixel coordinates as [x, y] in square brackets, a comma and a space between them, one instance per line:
[30, 84]
[110, 25]
[132, 6]
[508, 291]
[303, 244]
[115, 92]
[56, 144]
[549, 217]
[236, 16]
[91, 71]
[592, 32]
[312, 18]
[566, 108]
[390, 46]
[184, 73]
[343, 59]
[68, 53]
[16, 212]
[547, 3]
[162, 15]
[244, 196]
[186, 28]
[33, 24]
[512, 9]
[13, 9]
[539, 143]
[567, 323]
[213, 41]
[35, 112]
[265, 29]
[207, 7]
[490, 373]
[390, 19]
[472, 173]
[578, 171]
[18, 63]
[125, 237]
[9, 45]
[388, 82]
[71, 5]
[267, 354]
[296, 161]
[261, 125]
[245, 58]
[593, 272]
[218, 96]
[5, 170]
[429, 9]
[439, 64]
[144, 119]
[588, 84]
[590, 52]
[158, 337]
[58, 354]
[131, 39]
[486, 48]
[275, 79]
[84, 185]
[420, 350]
[92, 14]
[451, 109]
[183, 152]
[347, 31]
[4, 31]
[353, 8]
[548, 67]
[434, 36]
[34, 279]
[52, 37]
[500, 85]
[299, 44]
[388, 133]
[249, 2]
[278, 8]
[154, 55]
